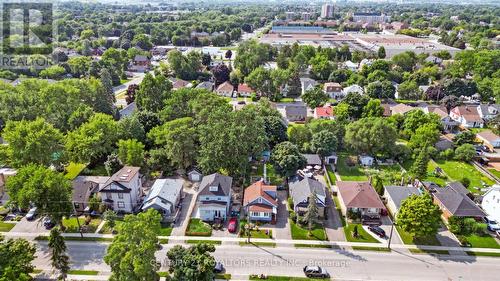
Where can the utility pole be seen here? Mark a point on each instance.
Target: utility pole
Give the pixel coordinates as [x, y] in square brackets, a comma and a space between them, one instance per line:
[392, 230]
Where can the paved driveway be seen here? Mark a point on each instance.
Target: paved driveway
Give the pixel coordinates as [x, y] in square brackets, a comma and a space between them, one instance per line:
[35, 226]
[282, 228]
[333, 224]
[446, 238]
[179, 228]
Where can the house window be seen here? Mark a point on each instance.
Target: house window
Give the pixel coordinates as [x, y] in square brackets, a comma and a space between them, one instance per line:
[255, 214]
[121, 204]
[109, 195]
[77, 205]
[120, 195]
[219, 199]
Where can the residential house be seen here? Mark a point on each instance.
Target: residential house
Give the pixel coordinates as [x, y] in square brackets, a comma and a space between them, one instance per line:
[195, 175]
[225, 89]
[83, 190]
[161, 50]
[294, 112]
[449, 124]
[178, 83]
[359, 197]
[366, 160]
[434, 60]
[353, 89]
[488, 111]
[491, 202]
[128, 110]
[4, 174]
[401, 109]
[207, 85]
[351, 66]
[140, 63]
[468, 116]
[312, 159]
[488, 138]
[334, 90]
[324, 112]
[214, 197]
[307, 84]
[396, 194]
[444, 143]
[165, 196]
[260, 202]
[454, 202]
[300, 191]
[245, 90]
[123, 190]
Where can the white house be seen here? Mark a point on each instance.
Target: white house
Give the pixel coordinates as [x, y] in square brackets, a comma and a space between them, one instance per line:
[214, 197]
[123, 190]
[467, 116]
[491, 202]
[353, 89]
[333, 90]
[488, 111]
[351, 66]
[366, 160]
[165, 196]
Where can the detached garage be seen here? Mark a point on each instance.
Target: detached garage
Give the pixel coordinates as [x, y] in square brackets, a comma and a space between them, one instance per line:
[488, 138]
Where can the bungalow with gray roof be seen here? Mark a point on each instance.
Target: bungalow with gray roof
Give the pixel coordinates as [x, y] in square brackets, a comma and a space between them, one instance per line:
[396, 194]
[165, 196]
[457, 204]
[300, 192]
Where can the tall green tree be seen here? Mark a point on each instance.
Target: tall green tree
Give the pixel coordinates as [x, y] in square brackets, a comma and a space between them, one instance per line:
[48, 190]
[152, 92]
[193, 263]
[131, 255]
[419, 216]
[371, 135]
[59, 258]
[16, 256]
[131, 152]
[315, 97]
[419, 167]
[373, 109]
[312, 212]
[92, 140]
[324, 143]
[32, 142]
[287, 159]
[179, 139]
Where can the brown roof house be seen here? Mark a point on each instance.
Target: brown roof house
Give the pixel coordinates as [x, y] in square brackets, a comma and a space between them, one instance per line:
[83, 190]
[214, 197]
[334, 90]
[300, 192]
[123, 190]
[225, 89]
[488, 138]
[179, 83]
[401, 109]
[244, 90]
[453, 200]
[358, 198]
[467, 116]
[260, 202]
[448, 123]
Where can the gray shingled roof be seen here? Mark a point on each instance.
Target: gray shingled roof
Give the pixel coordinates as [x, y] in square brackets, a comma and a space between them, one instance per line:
[458, 204]
[300, 190]
[312, 159]
[458, 187]
[223, 182]
[400, 193]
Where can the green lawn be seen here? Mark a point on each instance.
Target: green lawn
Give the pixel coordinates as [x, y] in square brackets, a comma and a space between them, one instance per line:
[312, 246]
[485, 241]
[457, 170]
[299, 233]
[390, 174]
[363, 236]
[82, 239]
[73, 170]
[98, 170]
[483, 254]
[411, 240]
[197, 227]
[273, 177]
[430, 170]
[495, 172]
[377, 249]
[6, 227]
[285, 100]
[105, 229]
[349, 173]
[261, 234]
[83, 272]
[258, 244]
[71, 225]
[331, 174]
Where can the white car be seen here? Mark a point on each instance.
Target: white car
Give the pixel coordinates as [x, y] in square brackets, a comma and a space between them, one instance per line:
[31, 214]
[493, 225]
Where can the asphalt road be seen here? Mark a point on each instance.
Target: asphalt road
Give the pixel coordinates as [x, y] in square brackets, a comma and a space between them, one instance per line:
[286, 261]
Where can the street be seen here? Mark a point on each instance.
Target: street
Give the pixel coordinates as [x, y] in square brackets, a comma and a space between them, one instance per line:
[341, 264]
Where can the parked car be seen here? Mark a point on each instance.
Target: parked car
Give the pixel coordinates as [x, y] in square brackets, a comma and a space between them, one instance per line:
[218, 268]
[48, 223]
[315, 271]
[31, 215]
[232, 226]
[377, 230]
[493, 225]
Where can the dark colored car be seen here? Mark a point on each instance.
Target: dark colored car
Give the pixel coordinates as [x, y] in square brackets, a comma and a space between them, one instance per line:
[218, 268]
[232, 226]
[48, 223]
[315, 271]
[377, 230]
